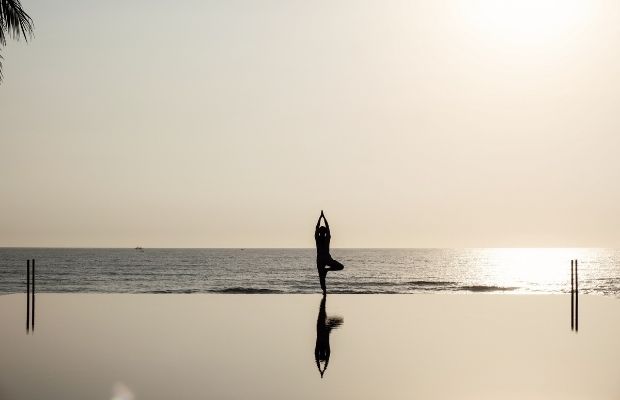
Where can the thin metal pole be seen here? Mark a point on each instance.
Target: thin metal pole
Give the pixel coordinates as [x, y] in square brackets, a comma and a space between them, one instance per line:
[33, 294]
[27, 295]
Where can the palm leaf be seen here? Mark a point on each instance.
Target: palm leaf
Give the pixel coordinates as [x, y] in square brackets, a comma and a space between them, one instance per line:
[14, 23]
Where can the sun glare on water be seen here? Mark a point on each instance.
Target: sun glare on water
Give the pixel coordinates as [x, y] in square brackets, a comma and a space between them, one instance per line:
[538, 269]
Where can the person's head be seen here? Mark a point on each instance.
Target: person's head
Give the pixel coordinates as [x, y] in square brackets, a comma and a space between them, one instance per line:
[322, 231]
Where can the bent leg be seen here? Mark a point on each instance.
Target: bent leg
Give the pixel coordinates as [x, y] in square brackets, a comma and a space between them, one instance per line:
[334, 265]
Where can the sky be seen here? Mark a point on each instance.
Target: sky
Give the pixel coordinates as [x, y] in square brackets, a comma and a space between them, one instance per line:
[488, 123]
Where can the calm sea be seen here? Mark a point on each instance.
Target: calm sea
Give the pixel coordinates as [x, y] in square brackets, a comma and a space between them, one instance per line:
[294, 270]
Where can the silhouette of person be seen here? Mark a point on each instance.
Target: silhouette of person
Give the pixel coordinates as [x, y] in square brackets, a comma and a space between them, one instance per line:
[324, 327]
[324, 261]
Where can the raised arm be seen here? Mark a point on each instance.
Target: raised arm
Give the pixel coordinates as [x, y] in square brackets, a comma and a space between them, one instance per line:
[326, 224]
[318, 223]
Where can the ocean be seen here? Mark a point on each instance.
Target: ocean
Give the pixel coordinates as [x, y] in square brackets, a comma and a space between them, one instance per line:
[535, 270]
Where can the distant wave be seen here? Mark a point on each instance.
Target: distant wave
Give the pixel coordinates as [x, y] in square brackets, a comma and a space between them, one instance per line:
[484, 288]
[431, 283]
[173, 291]
[420, 286]
[242, 290]
[408, 283]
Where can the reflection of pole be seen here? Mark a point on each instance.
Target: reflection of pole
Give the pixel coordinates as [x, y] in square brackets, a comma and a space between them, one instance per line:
[28, 295]
[576, 298]
[572, 297]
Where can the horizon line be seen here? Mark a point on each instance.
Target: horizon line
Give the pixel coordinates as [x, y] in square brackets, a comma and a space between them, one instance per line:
[304, 248]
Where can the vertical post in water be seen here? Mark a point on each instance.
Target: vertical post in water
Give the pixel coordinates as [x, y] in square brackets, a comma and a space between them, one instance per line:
[572, 296]
[576, 298]
[33, 294]
[27, 295]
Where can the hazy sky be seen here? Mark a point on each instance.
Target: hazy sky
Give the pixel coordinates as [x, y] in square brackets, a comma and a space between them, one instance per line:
[194, 123]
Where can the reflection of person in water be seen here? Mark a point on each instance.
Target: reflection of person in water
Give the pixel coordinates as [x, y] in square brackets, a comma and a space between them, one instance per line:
[324, 327]
[324, 261]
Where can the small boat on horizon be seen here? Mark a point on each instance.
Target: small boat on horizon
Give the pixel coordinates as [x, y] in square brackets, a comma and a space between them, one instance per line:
[139, 248]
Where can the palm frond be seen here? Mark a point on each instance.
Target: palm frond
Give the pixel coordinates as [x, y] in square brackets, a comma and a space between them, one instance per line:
[14, 21]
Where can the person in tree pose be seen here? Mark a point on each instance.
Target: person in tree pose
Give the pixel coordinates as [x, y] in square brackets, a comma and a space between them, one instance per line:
[324, 261]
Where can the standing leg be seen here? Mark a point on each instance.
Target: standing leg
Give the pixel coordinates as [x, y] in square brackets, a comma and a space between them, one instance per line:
[322, 279]
[322, 273]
